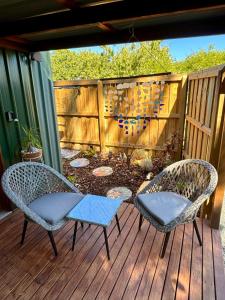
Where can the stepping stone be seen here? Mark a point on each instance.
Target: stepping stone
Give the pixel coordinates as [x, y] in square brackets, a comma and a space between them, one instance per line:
[120, 192]
[102, 171]
[68, 153]
[79, 162]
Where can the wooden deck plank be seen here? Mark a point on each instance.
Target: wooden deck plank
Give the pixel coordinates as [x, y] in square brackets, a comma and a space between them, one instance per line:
[149, 272]
[102, 274]
[218, 265]
[122, 280]
[208, 288]
[136, 276]
[173, 267]
[43, 260]
[160, 274]
[184, 272]
[111, 279]
[94, 259]
[101, 262]
[64, 265]
[196, 267]
[135, 270]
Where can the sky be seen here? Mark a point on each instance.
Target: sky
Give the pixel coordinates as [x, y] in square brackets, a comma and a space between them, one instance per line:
[182, 47]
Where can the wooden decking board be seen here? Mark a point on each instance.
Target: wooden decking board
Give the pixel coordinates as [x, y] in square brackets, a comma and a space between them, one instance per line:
[208, 288]
[35, 270]
[196, 267]
[135, 270]
[161, 270]
[54, 270]
[94, 259]
[138, 271]
[170, 284]
[112, 276]
[127, 269]
[183, 281]
[101, 260]
[102, 274]
[218, 265]
[93, 246]
[150, 269]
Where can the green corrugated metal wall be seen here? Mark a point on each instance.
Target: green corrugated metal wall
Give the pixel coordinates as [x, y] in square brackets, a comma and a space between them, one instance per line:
[26, 89]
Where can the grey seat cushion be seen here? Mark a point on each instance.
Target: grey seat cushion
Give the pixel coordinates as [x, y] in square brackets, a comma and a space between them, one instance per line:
[164, 206]
[55, 206]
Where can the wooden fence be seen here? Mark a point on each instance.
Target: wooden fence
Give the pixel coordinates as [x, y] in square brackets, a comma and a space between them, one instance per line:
[86, 116]
[193, 106]
[204, 129]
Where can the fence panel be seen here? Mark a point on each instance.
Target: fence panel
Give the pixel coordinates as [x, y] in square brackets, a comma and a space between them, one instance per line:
[89, 112]
[203, 128]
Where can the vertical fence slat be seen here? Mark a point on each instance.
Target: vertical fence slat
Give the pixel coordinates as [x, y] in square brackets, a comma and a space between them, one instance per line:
[101, 116]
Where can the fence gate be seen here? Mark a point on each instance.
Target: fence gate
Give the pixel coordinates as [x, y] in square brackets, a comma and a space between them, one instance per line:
[204, 128]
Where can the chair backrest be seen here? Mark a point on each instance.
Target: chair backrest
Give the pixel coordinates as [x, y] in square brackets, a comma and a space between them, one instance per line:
[190, 178]
[27, 181]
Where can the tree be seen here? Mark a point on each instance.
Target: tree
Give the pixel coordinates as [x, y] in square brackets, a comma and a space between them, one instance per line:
[132, 59]
[199, 60]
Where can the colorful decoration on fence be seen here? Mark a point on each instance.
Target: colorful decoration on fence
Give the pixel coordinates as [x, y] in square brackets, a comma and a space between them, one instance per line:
[134, 104]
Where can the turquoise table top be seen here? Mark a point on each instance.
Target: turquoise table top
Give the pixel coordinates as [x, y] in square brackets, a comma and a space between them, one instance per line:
[96, 210]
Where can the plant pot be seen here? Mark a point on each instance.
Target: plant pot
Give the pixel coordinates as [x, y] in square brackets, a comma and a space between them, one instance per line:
[31, 156]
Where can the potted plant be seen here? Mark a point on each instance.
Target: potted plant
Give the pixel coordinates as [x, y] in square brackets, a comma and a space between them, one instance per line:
[31, 145]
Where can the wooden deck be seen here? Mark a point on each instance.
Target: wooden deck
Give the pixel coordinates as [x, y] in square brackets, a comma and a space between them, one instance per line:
[135, 270]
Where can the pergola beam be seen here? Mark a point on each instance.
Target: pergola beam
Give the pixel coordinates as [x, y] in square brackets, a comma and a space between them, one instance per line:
[103, 13]
[154, 32]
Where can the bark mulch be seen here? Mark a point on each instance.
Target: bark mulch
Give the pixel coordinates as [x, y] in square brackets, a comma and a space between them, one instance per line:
[86, 182]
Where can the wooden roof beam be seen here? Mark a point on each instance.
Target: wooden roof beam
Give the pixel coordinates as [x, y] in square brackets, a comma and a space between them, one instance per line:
[154, 32]
[104, 14]
[106, 27]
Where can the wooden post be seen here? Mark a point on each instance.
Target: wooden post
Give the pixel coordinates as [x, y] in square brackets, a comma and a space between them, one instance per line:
[101, 117]
[183, 99]
[218, 196]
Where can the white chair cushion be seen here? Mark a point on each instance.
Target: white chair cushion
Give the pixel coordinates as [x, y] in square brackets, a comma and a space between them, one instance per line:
[55, 206]
[164, 206]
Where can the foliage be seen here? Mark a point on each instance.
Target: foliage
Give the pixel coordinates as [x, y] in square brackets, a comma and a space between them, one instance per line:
[130, 60]
[89, 152]
[72, 178]
[133, 59]
[31, 139]
[167, 156]
[202, 59]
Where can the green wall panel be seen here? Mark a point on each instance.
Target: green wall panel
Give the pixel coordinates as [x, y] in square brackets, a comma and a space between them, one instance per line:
[26, 89]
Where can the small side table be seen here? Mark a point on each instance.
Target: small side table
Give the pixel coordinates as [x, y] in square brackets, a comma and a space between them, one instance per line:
[97, 210]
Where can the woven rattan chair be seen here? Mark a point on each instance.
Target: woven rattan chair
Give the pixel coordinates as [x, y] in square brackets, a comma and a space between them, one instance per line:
[26, 181]
[194, 179]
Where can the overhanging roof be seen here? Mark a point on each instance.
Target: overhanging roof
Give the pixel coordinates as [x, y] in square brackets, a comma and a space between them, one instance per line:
[53, 24]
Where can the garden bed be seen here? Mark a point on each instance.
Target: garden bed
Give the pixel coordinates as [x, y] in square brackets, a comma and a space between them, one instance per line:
[123, 175]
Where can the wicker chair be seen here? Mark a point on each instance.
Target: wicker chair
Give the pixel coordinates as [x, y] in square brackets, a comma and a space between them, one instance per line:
[192, 178]
[26, 181]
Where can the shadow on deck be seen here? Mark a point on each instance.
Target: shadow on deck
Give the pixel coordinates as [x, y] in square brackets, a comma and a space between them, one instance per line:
[135, 270]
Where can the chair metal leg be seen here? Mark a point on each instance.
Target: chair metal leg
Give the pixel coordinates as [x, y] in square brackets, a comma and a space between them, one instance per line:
[74, 234]
[118, 224]
[52, 242]
[140, 222]
[24, 231]
[165, 244]
[106, 242]
[197, 232]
